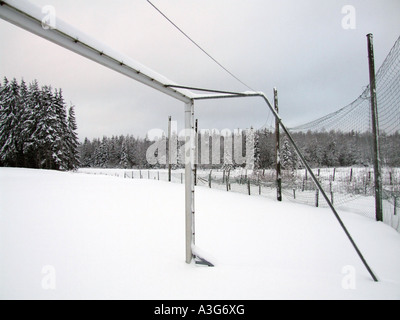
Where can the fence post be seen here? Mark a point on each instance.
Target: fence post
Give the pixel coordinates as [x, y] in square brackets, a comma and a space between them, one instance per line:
[225, 180]
[248, 186]
[375, 130]
[277, 150]
[351, 175]
[317, 198]
[209, 179]
[395, 205]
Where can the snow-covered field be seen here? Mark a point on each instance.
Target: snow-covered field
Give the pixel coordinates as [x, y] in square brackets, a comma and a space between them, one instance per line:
[79, 236]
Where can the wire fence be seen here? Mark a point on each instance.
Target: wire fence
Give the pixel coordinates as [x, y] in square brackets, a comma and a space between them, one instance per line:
[350, 189]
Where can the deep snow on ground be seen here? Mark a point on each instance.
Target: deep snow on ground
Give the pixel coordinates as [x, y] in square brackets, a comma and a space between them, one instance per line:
[107, 238]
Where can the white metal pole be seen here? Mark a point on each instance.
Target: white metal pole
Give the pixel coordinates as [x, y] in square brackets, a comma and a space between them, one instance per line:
[189, 181]
[29, 17]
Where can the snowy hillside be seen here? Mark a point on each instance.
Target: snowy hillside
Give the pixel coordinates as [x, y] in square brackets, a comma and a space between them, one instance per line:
[71, 235]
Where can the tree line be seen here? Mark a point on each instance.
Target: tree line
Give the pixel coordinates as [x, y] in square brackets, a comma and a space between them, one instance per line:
[37, 128]
[321, 149]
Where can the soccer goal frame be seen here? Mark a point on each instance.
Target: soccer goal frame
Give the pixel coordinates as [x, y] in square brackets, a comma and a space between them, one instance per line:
[29, 17]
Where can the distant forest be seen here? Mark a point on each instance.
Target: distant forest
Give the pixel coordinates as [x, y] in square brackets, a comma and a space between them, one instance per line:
[322, 149]
[37, 128]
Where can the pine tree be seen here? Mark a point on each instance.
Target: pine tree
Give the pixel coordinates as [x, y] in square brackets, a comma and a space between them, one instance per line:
[33, 127]
[257, 155]
[31, 146]
[286, 156]
[102, 154]
[23, 114]
[47, 132]
[289, 158]
[72, 141]
[9, 123]
[86, 153]
[124, 163]
[330, 156]
[62, 131]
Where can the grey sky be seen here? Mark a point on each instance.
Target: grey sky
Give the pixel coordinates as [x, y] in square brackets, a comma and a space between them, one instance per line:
[298, 46]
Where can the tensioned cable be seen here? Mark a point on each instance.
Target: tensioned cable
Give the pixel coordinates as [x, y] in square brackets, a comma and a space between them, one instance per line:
[198, 46]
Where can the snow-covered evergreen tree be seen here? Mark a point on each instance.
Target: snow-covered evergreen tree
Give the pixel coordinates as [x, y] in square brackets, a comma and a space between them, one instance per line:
[257, 155]
[124, 163]
[9, 123]
[34, 104]
[33, 127]
[289, 158]
[72, 141]
[331, 156]
[102, 154]
[286, 155]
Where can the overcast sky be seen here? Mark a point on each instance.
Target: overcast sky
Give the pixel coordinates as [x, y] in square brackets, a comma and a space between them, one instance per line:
[298, 46]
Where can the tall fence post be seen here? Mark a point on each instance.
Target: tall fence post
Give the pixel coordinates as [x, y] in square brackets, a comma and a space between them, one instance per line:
[277, 150]
[375, 130]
